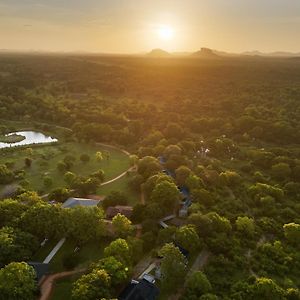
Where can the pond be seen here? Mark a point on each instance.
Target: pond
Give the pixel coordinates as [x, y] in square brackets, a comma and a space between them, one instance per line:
[30, 137]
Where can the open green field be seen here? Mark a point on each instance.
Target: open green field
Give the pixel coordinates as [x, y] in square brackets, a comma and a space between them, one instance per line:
[88, 253]
[45, 159]
[121, 185]
[62, 288]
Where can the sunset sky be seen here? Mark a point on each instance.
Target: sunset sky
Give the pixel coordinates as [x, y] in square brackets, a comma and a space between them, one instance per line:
[132, 26]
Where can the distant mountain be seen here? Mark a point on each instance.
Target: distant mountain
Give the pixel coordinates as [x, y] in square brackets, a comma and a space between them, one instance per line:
[205, 53]
[159, 53]
[272, 54]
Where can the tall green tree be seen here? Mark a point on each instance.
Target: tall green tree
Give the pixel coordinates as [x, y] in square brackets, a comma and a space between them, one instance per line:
[167, 195]
[197, 285]
[17, 282]
[95, 285]
[187, 237]
[173, 267]
[122, 225]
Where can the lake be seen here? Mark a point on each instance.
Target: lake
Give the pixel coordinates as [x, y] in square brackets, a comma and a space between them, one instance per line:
[31, 137]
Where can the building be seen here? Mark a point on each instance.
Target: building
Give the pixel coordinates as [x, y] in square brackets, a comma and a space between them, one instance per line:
[114, 210]
[41, 270]
[139, 290]
[73, 202]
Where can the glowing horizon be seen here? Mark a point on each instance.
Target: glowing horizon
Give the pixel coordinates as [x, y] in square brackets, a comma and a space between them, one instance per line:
[119, 26]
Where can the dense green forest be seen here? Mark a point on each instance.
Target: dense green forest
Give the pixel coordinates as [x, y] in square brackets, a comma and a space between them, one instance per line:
[226, 130]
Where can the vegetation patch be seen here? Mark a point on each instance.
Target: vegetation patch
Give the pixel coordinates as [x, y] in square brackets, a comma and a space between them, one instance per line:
[11, 139]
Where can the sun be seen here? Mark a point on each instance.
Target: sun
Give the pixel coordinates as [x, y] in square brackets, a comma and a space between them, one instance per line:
[166, 32]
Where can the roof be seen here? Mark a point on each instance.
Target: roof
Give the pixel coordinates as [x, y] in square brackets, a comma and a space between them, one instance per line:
[143, 290]
[40, 269]
[72, 202]
[182, 250]
[123, 210]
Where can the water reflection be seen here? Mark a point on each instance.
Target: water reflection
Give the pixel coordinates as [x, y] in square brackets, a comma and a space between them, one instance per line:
[31, 137]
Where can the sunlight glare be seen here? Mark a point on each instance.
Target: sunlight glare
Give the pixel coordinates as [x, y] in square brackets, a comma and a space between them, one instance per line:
[165, 32]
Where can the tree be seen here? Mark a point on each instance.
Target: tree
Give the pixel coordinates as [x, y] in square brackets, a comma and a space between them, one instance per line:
[122, 226]
[120, 250]
[148, 166]
[85, 223]
[29, 198]
[266, 288]
[117, 271]
[281, 171]
[197, 285]
[173, 267]
[84, 158]
[245, 226]
[69, 161]
[193, 182]
[137, 215]
[152, 181]
[262, 189]
[202, 196]
[210, 224]
[43, 220]
[99, 156]
[106, 155]
[6, 176]
[292, 294]
[230, 178]
[59, 195]
[98, 175]
[136, 246]
[182, 173]
[167, 195]
[187, 237]
[28, 162]
[69, 178]
[29, 151]
[16, 245]
[85, 186]
[292, 233]
[95, 285]
[10, 212]
[62, 167]
[174, 130]
[17, 282]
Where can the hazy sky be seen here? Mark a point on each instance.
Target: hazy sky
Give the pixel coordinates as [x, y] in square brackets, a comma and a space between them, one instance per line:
[139, 25]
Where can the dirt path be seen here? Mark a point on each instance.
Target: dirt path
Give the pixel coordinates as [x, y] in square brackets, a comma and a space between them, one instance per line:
[248, 254]
[103, 183]
[200, 261]
[114, 147]
[47, 285]
[111, 180]
[118, 177]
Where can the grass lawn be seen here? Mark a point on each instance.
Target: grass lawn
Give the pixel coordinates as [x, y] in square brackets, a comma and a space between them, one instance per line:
[88, 253]
[43, 252]
[63, 288]
[45, 159]
[121, 185]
